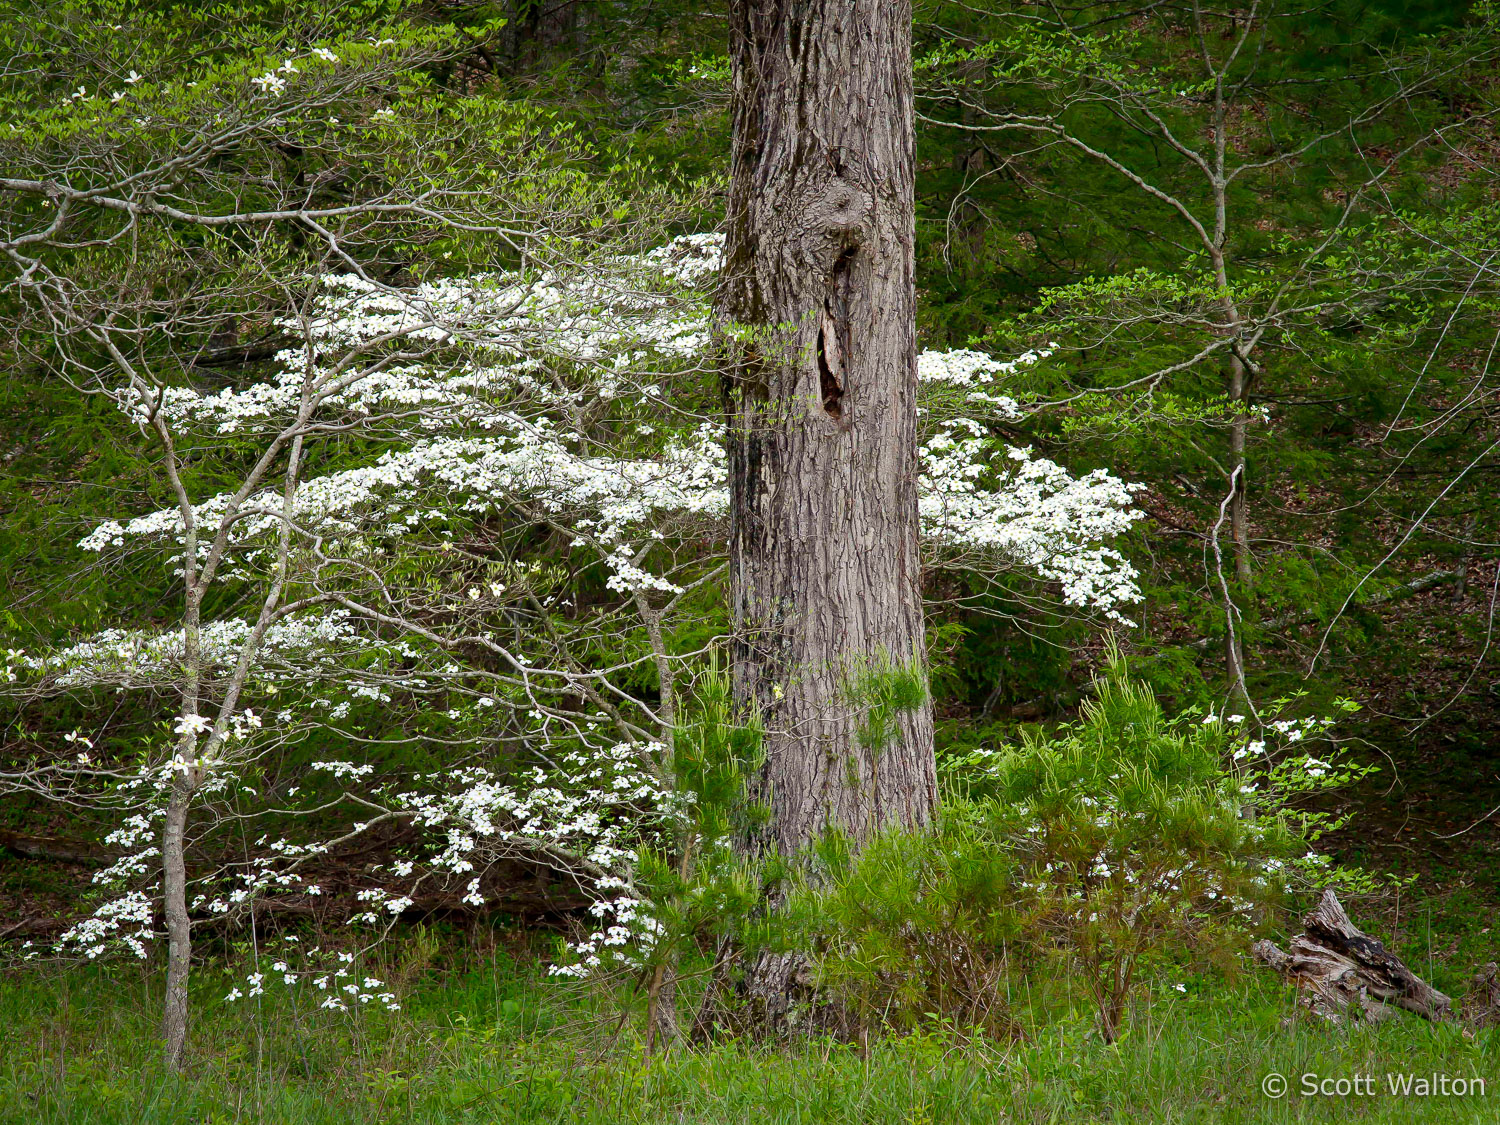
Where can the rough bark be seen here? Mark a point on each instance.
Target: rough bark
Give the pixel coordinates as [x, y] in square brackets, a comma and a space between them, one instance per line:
[1343, 975]
[818, 311]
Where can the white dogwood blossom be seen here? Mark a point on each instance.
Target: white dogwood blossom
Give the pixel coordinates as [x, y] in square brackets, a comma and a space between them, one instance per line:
[138, 658]
[495, 337]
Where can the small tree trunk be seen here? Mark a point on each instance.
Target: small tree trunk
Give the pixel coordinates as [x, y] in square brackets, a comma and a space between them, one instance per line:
[1239, 522]
[661, 1008]
[179, 929]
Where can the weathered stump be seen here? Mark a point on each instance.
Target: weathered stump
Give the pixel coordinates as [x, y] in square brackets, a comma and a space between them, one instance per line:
[1343, 974]
[1481, 1006]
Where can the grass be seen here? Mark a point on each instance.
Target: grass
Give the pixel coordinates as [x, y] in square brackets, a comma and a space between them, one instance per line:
[489, 1039]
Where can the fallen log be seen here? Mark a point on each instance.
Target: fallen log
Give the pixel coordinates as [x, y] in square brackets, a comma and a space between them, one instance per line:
[29, 927]
[1342, 974]
[1297, 620]
[59, 851]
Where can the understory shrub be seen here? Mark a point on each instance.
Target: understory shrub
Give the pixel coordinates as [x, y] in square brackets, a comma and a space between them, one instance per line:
[1099, 845]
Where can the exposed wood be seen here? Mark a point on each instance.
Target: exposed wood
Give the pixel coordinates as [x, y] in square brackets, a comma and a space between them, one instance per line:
[1344, 975]
[30, 927]
[1481, 1007]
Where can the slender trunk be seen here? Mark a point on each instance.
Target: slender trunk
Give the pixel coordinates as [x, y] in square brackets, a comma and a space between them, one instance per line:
[1239, 527]
[666, 678]
[821, 403]
[661, 1008]
[179, 930]
[1239, 374]
[661, 996]
[1238, 391]
[185, 772]
[1239, 524]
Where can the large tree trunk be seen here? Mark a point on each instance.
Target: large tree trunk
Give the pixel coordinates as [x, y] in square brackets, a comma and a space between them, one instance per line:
[821, 402]
[817, 309]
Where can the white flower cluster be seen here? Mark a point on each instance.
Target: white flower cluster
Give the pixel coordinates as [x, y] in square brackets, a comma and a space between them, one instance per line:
[498, 343]
[972, 371]
[141, 658]
[539, 397]
[126, 920]
[1019, 509]
[324, 972]
[693, 260]
[1030, 511]
[623, 943]
[273, 81]
[261, 877]
[489, 337]
[345, 770]
[584, 816]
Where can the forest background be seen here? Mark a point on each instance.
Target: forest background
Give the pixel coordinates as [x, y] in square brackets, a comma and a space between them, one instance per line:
[1269, 303]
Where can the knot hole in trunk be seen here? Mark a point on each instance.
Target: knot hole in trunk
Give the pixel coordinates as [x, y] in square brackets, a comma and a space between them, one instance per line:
[834, 335]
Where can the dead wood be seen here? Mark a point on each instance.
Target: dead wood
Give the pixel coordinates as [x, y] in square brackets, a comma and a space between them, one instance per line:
[1344, 975]
[1481, 1007]
[59, 851]
[1396, 593]
[30, 927]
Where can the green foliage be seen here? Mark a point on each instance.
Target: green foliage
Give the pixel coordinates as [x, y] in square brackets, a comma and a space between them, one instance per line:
[917, 925]
[1365, 397]
[1120, 838]
[1366, 324]
[697, 884]
[884, 690]
[706, 886]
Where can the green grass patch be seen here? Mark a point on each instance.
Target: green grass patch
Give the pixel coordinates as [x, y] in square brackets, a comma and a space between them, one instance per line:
[492, 1040]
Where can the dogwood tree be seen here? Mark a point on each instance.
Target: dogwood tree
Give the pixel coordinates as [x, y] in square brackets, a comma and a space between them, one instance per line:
[181, 219]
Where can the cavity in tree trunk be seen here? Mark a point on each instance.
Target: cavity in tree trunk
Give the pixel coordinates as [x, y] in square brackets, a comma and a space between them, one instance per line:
[817, 308]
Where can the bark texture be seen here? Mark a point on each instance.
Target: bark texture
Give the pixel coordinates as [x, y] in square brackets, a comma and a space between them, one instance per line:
[179, 926]
[817, 308]
[1345, 975]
